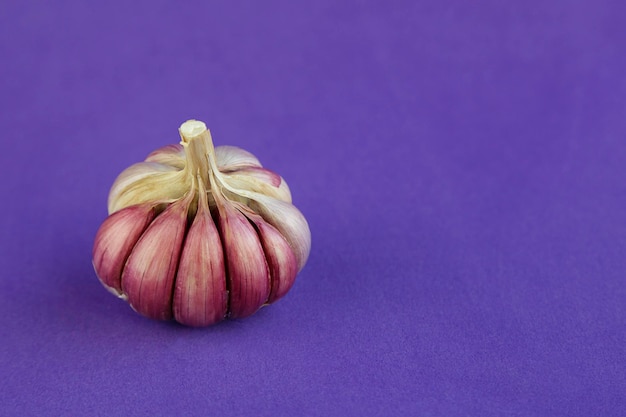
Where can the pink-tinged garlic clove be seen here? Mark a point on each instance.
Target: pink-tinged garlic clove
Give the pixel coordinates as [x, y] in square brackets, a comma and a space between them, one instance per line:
[172, 155]
[288, 220]
[231, 158]
[148, 277]
[259, 180]
[200, 294]
[115, 240]
[280, 259]
[146, 182]
[247, 271]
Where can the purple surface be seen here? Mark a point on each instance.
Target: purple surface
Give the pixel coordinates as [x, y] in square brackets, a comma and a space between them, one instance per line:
[462, 166]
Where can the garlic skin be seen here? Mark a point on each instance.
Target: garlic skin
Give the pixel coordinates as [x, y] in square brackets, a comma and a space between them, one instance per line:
[199, 234]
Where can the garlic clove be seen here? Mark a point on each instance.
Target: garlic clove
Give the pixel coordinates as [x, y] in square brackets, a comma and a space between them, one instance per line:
[200, 295]
[288, 220]
[172, 155]
[280, 258]
[262, 174]
[230, 158]
[149, 274]
[136, 172]
[115, 240]
[247, 271]
[146, 182]
[259, 180]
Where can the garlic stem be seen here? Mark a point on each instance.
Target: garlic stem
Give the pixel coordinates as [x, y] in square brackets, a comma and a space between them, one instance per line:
[192, 128]
[198, 144]
[201, 158]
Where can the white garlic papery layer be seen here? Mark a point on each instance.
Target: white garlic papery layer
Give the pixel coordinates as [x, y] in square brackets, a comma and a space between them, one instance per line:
[199, 234]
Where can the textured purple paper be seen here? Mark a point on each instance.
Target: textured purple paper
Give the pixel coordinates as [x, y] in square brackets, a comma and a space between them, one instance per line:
[462, 166]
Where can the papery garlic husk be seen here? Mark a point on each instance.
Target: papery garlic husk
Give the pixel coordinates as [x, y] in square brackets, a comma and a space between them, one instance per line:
[199, 234]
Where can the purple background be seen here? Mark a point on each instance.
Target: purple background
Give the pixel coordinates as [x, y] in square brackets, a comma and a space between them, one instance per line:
[462, 166]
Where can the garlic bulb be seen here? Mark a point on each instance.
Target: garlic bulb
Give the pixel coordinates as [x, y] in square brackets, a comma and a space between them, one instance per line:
[199, 234]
